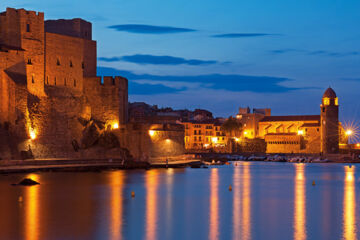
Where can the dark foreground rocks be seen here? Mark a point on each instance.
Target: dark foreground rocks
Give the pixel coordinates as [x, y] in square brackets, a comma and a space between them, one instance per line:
[26, 182]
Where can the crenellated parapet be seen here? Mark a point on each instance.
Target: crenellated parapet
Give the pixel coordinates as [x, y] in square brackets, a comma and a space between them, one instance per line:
[108, 98]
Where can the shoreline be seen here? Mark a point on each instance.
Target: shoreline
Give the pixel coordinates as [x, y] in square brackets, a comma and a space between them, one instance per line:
[83, 165]
[94, 165]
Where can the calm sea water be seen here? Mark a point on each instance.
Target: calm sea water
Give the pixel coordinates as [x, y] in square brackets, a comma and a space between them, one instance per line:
[267, 201]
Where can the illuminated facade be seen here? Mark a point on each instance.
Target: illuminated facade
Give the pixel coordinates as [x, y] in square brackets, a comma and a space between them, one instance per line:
[305, 133]
[204, 135]
[48, 81]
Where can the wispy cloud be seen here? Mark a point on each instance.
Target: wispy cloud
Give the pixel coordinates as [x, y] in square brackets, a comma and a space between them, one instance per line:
[316, 53]
[157, 60]
[241, 35]
[234, 83]
[149, 29]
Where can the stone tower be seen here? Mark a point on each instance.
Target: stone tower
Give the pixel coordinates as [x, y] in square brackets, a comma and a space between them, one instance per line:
[329, 122]
[25, 31]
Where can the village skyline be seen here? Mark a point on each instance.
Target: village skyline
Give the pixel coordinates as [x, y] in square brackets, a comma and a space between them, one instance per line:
[254, 55]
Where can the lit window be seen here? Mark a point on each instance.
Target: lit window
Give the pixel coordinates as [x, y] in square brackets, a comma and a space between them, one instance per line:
[336, 102]
[326, 101]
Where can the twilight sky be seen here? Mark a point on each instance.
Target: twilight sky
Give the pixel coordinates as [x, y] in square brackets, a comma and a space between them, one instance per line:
[220, 55]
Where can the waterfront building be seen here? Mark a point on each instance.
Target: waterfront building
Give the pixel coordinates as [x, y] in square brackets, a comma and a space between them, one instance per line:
[204, 135]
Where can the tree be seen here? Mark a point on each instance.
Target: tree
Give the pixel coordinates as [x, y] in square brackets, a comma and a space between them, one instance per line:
[232, 127]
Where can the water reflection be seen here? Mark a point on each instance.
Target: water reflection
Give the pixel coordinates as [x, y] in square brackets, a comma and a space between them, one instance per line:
[151, 185]
[169, 205]
[246, 202]
[117, 179]
[31, 205]
[236, 203]
[300, 203]
[214, 204]
[349, 214]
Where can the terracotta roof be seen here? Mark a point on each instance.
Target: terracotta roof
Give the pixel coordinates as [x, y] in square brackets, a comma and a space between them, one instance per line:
[311, 125]
[281, 134]
[291, 118]
[329, 93]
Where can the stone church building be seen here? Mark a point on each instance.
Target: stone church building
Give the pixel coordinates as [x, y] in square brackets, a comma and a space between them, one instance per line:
[304, 133]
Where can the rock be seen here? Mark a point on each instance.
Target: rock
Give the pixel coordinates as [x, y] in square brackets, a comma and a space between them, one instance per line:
[27, 182]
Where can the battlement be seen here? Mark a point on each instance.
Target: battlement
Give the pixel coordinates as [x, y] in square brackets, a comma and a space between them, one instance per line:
[106, 81]
[21, 12]
[76, 27]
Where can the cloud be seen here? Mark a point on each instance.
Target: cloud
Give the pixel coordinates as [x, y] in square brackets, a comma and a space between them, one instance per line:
[149, 29]
[334, 54]
[157, 60]
[233, 83]
[286, 50]
[316, 53]
[241, 35]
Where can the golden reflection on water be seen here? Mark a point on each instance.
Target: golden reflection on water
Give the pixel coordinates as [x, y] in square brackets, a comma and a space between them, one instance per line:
[31, 205]
[214, 204]
[236, 203]
[151, 184]
[349, 214]
[300, 203]
[117, 179]
[169, 193]
[246, 202]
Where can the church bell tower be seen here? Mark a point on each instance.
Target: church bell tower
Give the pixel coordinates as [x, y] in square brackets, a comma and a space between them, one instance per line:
[329, 122]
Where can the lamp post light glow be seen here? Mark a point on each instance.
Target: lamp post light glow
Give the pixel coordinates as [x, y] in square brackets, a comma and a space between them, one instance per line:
[151, 133]
[115, 125]
[214, 140]
[300, 132]
[349, 132]
[32, 134]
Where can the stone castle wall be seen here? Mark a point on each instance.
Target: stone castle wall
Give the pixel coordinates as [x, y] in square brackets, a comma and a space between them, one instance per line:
[56, 112]
[64, 61]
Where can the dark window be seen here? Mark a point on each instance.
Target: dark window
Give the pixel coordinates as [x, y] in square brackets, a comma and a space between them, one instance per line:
[74, 82]
[323, 109]
[317, 129]
[29, 61]
[47, 80]
[71, 65]
[28, 27]
[58, 62]
[32, 79]
[83, 65]
[55, 81]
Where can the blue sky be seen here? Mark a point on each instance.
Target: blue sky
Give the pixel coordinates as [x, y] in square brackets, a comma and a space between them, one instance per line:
[220, 55]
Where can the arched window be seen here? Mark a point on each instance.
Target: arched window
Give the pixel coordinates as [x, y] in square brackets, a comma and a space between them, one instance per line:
[71, 64]
[58, 62]
[28, 27]
[32, 78]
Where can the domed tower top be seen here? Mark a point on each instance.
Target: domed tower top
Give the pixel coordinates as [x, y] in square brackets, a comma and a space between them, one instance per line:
[330, 98]
[329, 93]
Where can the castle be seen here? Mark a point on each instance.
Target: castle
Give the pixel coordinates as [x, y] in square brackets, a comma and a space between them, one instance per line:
[52, 102]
